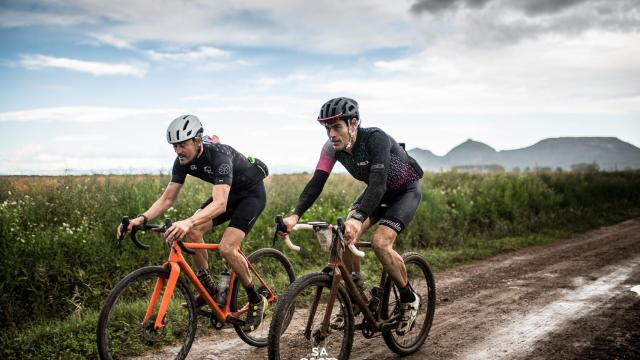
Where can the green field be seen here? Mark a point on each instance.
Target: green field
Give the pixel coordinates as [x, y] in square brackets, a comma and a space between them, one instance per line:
[59, 260]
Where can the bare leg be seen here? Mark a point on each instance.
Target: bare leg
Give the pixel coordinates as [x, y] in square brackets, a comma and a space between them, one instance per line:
[230, 251]
[382, 243]
[196, 235]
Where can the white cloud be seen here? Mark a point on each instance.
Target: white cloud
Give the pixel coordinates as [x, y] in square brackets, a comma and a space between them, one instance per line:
[203, 58]
[595, 73]
[78, 138]
[203, 53]
[86, 114]
[92, 67]
[202, 97]
[16, 19]
[492, 73]
[111, 40]
[333, 26]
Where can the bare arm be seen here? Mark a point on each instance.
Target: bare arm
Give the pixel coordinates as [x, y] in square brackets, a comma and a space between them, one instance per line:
[220, 194]
[165, 201]
[179, 229]
[161, 205]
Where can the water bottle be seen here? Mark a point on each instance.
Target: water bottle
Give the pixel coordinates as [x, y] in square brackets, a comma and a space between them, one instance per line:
[221, 297]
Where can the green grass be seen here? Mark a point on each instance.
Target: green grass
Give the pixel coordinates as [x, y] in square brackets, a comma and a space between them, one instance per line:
[72, 338]
[59, 262]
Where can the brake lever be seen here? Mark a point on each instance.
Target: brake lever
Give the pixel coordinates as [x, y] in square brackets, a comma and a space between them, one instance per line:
[278, 226]
[123, 231]
[165, 227]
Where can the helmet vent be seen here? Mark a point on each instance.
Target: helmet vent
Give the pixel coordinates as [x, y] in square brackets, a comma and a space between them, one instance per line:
[326, 110]
[339, 108]
[184, 128]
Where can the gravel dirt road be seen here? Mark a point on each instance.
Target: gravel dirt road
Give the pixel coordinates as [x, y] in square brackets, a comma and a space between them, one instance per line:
[578, 298]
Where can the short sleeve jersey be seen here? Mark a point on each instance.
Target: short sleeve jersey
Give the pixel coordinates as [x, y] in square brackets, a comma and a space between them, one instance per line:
[401, 167]
[218, 164]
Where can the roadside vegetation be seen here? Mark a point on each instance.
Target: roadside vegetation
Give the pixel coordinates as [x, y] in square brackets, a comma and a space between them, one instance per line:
[59, 260]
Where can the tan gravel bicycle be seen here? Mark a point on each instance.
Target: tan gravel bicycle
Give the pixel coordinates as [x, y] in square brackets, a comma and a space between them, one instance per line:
[302, 326]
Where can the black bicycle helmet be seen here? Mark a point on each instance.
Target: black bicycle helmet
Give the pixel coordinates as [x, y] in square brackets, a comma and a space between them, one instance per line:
[339, 108]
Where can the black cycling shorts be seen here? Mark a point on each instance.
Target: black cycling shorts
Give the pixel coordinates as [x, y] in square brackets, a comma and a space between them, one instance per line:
[243, 207]
[397, 207]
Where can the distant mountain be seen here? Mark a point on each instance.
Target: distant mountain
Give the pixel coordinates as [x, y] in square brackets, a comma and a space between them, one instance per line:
[609, 153]
[427, 159]
[471, 153]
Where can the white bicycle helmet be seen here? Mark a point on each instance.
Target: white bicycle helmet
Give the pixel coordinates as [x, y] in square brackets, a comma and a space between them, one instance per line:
[183, 128]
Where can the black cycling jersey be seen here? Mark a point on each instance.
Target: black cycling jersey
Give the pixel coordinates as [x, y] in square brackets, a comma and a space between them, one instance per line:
[221, 164]
[376, 158]
[373, 147]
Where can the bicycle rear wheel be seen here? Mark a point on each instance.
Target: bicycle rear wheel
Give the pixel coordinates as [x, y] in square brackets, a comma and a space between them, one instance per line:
[423, 284]
[277, 272]
[121, 332]
[288, 338]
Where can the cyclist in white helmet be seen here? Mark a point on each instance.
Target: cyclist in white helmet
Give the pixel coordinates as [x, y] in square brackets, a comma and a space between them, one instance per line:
[238, 196]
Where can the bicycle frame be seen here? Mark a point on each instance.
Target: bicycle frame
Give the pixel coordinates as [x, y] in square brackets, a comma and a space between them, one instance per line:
[337, 267]
[177, 263]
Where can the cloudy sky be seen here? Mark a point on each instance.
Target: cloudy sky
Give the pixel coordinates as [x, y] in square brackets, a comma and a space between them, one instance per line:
[89, 85]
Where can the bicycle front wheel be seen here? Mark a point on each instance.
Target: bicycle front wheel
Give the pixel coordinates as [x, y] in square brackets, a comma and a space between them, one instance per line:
[277, 272]
[122, 331]
[423, 284]
[295, 330]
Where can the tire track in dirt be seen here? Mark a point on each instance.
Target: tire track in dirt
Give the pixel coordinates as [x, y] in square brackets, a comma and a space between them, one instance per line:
[479, 302]
[478, 299]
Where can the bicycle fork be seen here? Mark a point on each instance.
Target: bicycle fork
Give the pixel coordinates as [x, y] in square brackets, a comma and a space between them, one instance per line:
[324, 326]
[166, 298]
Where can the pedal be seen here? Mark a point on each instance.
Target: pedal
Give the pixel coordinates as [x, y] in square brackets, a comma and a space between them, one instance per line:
[235, 320]
[390, 325]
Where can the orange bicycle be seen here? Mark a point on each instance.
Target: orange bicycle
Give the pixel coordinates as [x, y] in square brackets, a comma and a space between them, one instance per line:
[154, 307]
[303, 326]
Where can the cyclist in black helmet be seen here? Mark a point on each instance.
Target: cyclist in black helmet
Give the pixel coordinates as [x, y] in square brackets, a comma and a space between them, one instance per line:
[238, 196]
[391, 197]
